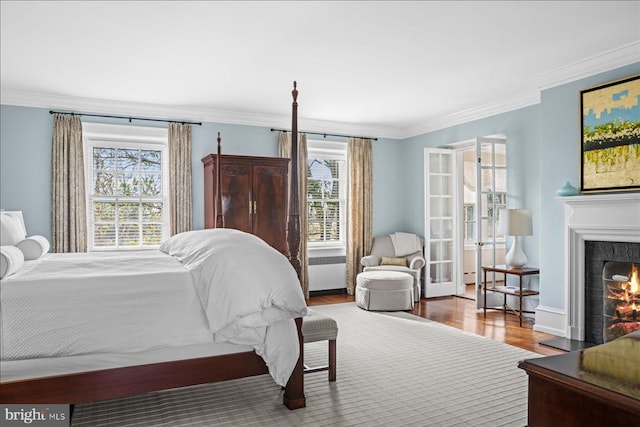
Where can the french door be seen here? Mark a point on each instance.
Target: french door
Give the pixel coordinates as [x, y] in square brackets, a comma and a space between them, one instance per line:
[491, 196]
[440, 219]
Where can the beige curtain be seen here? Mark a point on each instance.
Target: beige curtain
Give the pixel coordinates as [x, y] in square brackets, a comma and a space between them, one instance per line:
[180, 200]
[284, 150]
[68, 200]
[360, 207]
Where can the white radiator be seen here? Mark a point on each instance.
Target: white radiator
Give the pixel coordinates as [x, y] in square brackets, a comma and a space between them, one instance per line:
[327, 276]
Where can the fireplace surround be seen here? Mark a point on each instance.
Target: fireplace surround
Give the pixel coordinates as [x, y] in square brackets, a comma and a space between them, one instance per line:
[613, 218]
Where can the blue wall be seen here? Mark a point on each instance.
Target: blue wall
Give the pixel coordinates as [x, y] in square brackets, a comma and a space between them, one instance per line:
[543, 153]
[25, 165]
[522, 130]
[560, 162]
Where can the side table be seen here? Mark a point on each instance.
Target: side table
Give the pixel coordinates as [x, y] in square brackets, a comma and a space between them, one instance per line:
[507, 290]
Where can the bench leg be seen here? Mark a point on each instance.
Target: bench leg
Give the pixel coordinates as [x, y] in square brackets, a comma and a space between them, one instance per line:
[332, 360]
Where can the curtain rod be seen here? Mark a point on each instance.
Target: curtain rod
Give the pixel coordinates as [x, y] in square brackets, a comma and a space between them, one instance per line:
[124, 117]
[325, 134]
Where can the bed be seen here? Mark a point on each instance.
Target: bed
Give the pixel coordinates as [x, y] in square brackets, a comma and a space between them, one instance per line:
[194, 329]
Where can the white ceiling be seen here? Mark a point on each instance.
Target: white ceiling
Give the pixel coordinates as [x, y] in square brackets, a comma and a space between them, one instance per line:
[383, 68]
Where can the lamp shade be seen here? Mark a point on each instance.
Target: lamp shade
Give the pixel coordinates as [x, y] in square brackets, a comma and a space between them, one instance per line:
[515, 222]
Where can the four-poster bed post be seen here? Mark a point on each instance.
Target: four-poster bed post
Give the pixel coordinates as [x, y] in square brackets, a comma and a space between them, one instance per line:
[296, 381]
[218, 206]
[293, 225]
[294, 391]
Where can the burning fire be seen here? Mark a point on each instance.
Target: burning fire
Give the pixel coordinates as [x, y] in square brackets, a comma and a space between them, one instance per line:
[634, 282]
[623, 309]
[632, 287]
[627, 290]
[628, 287]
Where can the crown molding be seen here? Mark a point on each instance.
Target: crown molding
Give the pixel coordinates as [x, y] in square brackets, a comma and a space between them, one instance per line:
[154, 111]
[365, 131]
[522, 100]
[188, 113]
[615, 58]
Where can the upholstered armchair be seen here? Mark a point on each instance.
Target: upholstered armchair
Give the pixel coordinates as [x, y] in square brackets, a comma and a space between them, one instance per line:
[397, 252]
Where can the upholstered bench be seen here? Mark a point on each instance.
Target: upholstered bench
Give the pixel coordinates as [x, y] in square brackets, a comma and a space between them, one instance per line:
[384, 290]
[318, 327]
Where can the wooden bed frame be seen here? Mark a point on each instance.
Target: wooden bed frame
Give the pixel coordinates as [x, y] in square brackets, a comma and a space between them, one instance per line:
[91, 386]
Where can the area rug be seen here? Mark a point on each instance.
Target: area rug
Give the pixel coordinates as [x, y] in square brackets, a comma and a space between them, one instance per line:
[394, 369]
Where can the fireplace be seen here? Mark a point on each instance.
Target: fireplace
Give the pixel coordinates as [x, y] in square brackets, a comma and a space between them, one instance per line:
[597, 256]
[621, 299]
[599, 228]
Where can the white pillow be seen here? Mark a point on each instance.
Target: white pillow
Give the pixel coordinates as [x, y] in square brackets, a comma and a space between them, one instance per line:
[11, 259]
[33, 247]
[11, 230]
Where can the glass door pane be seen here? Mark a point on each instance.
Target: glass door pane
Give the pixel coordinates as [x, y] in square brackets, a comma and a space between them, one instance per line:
[439, 219]
[491, 196]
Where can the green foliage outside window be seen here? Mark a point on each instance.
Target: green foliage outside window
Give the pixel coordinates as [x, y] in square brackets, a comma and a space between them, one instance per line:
[323, 199]
[127, 197]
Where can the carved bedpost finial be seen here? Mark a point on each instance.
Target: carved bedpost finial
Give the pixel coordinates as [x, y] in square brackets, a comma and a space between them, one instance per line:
[294, 92]
[218, 205]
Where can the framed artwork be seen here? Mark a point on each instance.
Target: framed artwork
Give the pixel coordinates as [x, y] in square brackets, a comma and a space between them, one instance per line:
[610, 136]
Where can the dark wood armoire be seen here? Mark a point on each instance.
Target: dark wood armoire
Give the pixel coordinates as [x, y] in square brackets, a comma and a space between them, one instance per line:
[254, 196]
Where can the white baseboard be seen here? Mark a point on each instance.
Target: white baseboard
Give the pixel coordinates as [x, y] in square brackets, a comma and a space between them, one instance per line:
[551, 320]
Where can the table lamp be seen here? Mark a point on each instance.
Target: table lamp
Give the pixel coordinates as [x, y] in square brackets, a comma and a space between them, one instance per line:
[515, 222]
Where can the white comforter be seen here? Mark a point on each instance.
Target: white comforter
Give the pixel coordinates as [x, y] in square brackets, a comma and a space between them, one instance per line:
[221, 285]
[248, 290]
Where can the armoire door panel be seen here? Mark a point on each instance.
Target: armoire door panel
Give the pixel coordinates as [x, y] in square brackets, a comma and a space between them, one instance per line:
[254, 196]
[270, 203]
[236, 196]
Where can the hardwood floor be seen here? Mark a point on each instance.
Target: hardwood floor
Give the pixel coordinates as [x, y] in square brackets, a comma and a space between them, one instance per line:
[461, 313]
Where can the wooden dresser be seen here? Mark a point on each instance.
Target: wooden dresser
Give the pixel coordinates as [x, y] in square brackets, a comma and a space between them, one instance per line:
[598, 386]
[254, 196]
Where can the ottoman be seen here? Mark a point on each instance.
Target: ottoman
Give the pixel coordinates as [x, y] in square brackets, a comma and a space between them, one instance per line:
[384, 290]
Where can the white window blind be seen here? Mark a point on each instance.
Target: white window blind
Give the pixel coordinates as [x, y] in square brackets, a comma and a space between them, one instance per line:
[127, 181]
[326, 192]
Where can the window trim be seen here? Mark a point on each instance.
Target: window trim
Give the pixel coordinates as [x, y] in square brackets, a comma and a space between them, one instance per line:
[118, 136]
[331, 150]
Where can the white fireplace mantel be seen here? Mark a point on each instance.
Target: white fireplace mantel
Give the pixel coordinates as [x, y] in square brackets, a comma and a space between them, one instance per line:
[601, 217]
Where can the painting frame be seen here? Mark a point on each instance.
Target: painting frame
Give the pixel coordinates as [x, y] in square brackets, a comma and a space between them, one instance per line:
[610, 136]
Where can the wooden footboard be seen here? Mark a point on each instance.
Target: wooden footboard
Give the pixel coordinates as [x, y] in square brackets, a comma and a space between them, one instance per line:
[92, 386]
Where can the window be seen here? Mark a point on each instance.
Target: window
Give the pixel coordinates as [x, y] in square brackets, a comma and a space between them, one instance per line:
[495, 202]
[493, 198]
[469, 222]
[127, 186]
[326, 193]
